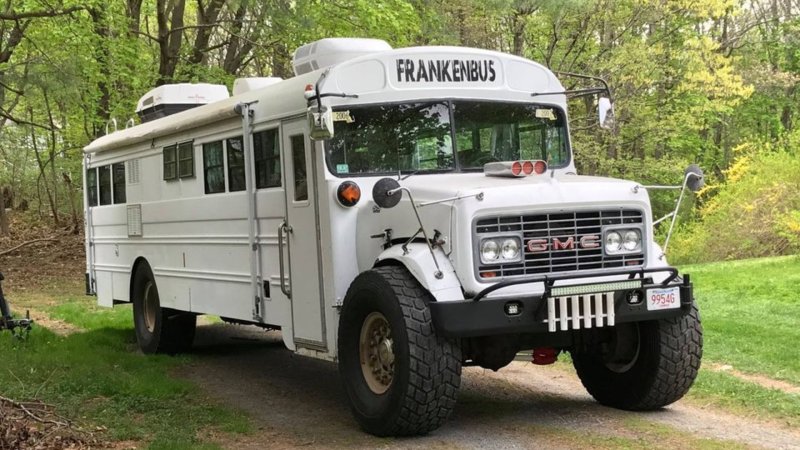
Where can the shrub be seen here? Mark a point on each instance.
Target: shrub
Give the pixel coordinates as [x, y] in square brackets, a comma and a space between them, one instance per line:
[755, 213]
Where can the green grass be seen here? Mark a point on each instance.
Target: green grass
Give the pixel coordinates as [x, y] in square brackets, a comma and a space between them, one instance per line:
[750, 311]
[99, 378]
[751, 314]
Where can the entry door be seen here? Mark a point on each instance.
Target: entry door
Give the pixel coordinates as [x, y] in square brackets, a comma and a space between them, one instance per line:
[308, 317]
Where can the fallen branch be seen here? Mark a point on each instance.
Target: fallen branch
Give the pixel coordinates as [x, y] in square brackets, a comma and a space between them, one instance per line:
[30, 414]
[5, 252]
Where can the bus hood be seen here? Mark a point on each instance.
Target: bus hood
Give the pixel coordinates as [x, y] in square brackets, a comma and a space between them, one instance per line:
[535, 192]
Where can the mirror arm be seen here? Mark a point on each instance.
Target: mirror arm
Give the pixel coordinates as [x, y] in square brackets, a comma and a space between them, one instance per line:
[602, 81]
[438, 274]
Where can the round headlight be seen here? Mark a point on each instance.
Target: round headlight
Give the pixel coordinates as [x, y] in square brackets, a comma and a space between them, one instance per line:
[631, 240]
[613, 241]
[490, 250]
[510, 249]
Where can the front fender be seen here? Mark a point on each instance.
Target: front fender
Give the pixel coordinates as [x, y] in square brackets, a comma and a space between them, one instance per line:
[418, 261]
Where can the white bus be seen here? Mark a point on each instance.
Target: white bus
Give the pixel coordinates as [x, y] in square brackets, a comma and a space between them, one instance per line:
[403, 212]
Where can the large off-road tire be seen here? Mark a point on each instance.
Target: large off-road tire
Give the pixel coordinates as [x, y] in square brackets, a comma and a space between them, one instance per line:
[400, 377]
[645, 365]
[158, 330]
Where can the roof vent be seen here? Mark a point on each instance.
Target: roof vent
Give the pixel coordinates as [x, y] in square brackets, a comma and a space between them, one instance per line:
[330, 51]
[174, 98]
[242, 85]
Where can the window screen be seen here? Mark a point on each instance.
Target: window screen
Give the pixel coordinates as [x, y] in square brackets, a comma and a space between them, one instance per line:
[213, 167]
[299, 167]
[267, 157]
[170, 162]
[91, 186]
[118, 179]
[185, 160]
[105, 184]
[236, 181]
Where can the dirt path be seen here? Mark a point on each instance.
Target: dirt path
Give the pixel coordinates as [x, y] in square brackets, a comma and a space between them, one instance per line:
[298, 402]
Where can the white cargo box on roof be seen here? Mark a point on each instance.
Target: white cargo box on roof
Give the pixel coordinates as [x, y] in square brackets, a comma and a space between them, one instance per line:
[242, 85]
[172, 98]
[330, 51]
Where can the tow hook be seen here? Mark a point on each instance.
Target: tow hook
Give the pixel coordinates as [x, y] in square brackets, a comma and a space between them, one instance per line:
[543, 356]
[19, 327]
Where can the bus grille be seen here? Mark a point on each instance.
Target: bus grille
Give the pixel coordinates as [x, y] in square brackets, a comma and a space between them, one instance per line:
[562, 226]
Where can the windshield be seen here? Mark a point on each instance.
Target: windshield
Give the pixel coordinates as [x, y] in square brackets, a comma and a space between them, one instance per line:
[422, 137]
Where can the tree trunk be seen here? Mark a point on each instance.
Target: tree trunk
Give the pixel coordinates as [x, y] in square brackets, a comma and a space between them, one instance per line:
[3, 219]
[170, 38]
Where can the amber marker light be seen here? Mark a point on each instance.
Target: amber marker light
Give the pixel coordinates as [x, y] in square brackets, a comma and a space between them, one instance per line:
[348, 193]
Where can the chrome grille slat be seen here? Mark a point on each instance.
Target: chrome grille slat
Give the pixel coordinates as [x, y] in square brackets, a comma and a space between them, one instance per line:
[561, 225]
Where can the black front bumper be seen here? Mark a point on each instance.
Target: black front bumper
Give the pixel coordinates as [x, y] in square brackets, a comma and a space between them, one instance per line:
[484, 316]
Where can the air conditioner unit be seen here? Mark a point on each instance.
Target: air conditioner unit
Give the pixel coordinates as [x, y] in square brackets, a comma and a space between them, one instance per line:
[330, 51]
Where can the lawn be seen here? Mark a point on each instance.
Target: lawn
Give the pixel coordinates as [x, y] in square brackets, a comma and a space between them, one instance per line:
[98, 378]
[751, 318]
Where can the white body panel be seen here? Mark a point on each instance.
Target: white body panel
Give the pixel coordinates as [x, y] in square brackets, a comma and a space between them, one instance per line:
[197, 243]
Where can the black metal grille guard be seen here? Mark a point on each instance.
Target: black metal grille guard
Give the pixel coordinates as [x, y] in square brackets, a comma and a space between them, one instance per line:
[550, 280]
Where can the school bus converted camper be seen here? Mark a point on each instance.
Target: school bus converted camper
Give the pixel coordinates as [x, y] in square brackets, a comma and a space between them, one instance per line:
[402, 212]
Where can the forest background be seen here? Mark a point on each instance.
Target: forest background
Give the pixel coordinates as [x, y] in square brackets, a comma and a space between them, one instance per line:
[712, 82]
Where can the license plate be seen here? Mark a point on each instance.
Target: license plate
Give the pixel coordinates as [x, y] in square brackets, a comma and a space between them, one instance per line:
[668, 298]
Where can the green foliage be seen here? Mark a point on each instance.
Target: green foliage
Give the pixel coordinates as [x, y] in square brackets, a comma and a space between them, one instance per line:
[754, 213]
[692, 80]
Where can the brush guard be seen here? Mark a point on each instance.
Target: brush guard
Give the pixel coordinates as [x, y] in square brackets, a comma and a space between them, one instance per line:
[19, 328]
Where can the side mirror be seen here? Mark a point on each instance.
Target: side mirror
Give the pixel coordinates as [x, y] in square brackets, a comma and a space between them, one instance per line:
[320, 122]
[381, 193]
[605, 112]
[695, 179]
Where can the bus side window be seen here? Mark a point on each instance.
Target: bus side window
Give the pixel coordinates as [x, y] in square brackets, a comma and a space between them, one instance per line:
[236, 181]
[267, 157]
[91, 186]
[186, 159]
[105, 184]
[213, 167]
[118, 180]
[170, 157]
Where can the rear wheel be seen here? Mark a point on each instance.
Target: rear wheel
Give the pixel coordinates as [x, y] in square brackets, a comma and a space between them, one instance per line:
[158, 330]
[641, 366]
[400, 377]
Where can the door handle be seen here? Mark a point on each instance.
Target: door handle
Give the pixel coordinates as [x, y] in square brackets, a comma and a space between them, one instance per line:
[283, 228]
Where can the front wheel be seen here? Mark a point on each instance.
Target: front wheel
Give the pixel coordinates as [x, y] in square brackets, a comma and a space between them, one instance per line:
[641, 366]
[400, 377]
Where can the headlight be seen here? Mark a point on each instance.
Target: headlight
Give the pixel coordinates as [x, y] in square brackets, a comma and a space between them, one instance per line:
[630, 240]
[510, 249]
[501, 249]
[613, 242]
[490, 251]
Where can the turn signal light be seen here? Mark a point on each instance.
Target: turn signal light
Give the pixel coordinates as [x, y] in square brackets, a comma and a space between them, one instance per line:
[348, 193]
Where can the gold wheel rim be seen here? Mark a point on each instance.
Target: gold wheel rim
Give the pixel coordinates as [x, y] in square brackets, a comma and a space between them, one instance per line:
[150, 306]
[376, 352]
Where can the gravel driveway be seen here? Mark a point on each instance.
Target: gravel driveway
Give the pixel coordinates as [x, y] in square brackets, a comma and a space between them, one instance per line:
[299, 402]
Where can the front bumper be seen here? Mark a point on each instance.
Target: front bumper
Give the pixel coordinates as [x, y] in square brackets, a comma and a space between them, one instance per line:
[484, 316]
